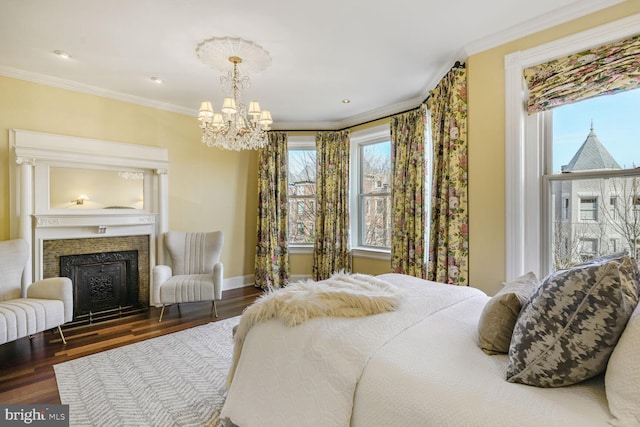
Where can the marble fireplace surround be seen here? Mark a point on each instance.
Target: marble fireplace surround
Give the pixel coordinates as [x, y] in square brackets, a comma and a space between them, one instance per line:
[31, 218]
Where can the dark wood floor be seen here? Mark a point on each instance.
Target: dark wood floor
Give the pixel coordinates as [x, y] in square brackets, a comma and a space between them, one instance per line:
[26, 365]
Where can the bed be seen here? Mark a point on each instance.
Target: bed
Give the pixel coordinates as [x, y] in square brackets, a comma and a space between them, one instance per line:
[419, 365]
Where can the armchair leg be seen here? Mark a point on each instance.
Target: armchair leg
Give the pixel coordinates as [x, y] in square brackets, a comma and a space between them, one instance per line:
[64, 341]
[161, 313]
[215, 308]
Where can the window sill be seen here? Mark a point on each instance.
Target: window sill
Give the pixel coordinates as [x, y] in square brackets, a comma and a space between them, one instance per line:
[372, 253]
[300, 249]
[360, 252]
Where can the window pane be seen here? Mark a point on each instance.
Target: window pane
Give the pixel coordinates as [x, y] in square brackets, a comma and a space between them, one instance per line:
[376, 167]
[377, 222]
[598, 133]
[591, 216]
[302, 167]
[301, 195]
[375, 191]
[584, 228]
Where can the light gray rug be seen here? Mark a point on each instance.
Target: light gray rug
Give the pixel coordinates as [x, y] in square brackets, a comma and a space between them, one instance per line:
[172, 380]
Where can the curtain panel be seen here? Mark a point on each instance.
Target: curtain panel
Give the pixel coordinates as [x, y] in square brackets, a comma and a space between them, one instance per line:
[449, 230]
[331, 246]
[408, 182]
[272, 259]
[600, 71]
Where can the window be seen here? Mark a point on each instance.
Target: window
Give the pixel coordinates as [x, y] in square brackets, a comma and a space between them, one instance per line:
[370, 203]
[588, 209]
[613, 207]
[375, 176]
[527, 229]
[565, 208]
[588, 249]
[301, 169]
[598, 165]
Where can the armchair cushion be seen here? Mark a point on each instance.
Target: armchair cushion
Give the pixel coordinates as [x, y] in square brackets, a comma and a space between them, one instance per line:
[27, 316]
[27, 310]
[187, 288]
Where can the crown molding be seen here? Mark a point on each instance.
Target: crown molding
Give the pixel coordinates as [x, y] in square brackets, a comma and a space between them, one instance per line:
[91, 90]
[567, 13]
[606, 33]
[352, 121]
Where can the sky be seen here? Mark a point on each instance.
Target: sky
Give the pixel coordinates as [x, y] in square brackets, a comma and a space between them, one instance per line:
[616, 121]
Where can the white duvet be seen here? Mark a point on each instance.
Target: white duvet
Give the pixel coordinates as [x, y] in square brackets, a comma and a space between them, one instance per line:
[417, 366]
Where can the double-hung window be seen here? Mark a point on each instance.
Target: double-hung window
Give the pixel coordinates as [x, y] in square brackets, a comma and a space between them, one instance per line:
[371, 190]
[301, 193]
[535, 179]
[593, 163]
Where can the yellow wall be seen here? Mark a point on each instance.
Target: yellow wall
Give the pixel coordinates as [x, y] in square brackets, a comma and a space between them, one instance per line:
[209, 189]
[487, 145]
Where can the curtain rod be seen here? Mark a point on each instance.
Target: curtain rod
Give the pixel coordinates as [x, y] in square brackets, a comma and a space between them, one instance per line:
[458, 64]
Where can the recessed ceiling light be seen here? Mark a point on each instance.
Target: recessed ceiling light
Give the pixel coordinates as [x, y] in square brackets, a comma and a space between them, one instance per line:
[156, 79]
[346, 101]
[62, 54]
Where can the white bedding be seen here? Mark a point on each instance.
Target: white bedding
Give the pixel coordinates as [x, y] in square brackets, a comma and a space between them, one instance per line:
[418, 366]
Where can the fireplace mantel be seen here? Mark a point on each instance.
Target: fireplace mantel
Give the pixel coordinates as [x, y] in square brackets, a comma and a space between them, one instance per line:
[33, 219]
[94, 220]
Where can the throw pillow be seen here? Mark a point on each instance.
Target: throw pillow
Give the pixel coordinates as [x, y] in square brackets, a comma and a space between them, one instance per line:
[623, 375]
[499, 315]
[568, 329]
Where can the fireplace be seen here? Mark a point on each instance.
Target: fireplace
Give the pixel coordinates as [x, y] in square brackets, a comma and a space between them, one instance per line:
[102, 282]
[110, 275]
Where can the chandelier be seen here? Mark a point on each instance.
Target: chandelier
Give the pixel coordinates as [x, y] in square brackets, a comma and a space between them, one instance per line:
[235, 127]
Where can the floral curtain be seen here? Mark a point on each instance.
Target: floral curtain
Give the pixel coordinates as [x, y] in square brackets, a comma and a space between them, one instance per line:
[331, 246]
[449, 231]
[408, 192]
[600, 71]
[272, 260]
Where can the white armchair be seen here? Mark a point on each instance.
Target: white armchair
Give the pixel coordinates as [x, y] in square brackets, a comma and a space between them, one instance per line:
[25, 311]
[196, 271]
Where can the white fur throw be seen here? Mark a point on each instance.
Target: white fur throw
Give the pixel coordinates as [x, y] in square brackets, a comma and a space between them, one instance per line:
[342, 295]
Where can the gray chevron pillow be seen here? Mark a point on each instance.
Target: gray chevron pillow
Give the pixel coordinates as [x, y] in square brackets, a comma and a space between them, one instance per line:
[568, 329]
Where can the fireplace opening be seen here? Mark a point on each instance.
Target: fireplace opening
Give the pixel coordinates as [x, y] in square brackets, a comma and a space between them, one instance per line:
[105, 284]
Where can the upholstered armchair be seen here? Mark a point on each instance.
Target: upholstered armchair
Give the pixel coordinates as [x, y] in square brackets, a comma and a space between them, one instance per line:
[25, 311]
[195, 273]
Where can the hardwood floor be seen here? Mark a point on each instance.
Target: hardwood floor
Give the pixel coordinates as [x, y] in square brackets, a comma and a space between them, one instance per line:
[26, 365]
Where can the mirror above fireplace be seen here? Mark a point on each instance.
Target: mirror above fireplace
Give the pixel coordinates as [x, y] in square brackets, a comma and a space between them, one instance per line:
[83, 189]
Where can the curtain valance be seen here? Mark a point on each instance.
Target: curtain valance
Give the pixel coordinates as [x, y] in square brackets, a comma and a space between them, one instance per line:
[599, 71]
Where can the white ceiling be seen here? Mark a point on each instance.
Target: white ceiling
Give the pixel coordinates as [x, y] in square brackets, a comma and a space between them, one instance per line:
[382, 55]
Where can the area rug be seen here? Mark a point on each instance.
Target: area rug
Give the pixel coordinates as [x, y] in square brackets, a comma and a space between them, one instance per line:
[172, 380]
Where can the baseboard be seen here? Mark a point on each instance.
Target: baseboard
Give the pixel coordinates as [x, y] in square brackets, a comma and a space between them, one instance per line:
[238, 282]
[298, 278]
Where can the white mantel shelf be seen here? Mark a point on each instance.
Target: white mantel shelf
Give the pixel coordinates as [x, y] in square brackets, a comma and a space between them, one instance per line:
[88, 220]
